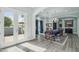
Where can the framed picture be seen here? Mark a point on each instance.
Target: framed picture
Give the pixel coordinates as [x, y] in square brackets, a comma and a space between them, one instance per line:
[49, 24]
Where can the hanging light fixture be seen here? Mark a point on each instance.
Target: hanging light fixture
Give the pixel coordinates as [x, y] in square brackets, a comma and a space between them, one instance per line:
[55, 19]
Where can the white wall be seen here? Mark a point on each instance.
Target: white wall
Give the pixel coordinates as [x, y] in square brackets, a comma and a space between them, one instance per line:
[33, 27]
[1, 29]
[78, 26]
[44, 25]
[30, 26]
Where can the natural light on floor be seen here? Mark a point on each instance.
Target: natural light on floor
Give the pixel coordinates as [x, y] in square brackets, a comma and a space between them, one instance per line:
[34, 47]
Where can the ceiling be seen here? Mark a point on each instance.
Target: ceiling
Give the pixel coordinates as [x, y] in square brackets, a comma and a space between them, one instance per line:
[27, 9]
[51, 11]
[60, 12]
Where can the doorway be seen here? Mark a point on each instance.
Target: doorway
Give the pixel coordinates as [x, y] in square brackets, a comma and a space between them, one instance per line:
[69, 26]
[54, 25]
[39, 26]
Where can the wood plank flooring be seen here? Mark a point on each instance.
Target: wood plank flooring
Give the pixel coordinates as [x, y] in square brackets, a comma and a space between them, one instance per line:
[72, 45]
